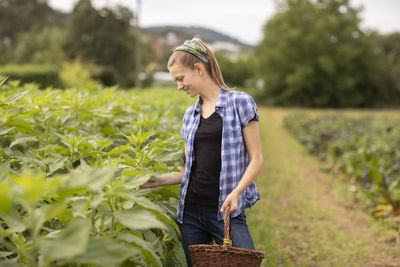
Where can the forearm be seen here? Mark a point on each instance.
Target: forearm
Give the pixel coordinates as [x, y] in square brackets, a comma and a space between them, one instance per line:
[171, 179]
[253, 169]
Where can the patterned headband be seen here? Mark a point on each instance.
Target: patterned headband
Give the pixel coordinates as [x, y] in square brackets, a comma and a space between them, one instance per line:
[194, 47]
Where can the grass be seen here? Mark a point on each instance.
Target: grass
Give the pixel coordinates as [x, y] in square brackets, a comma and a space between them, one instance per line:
[306, 217]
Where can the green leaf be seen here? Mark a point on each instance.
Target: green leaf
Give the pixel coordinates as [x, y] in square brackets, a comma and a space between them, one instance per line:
[138, 219]
[131, 172]
[143, 246]
[4, 80]
[6, 130]
[143, 136]
[135, 181]
[119, 150]
[14, 221]
[6, 199]
[14, 98]
[154, 208]
[23, 140]
[157, 144]
[93, 179]
[21, 125]
[105, 252]
[11, 263]
[79, 206]
[4, 167]
[170, 157]
[34, 186]
[54, 210]
[57, 164]
[160, 166]
[69, 242]
[5, 253]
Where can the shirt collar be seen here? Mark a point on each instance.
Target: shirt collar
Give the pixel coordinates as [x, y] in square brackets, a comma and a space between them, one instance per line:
[222, 100]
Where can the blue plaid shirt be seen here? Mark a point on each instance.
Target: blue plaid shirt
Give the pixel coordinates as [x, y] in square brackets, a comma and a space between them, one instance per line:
[236, 110]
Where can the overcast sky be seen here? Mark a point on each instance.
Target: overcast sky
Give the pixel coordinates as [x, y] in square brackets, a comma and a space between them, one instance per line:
[240, 19]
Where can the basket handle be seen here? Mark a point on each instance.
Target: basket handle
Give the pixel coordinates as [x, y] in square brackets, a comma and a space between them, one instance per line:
[227, 228]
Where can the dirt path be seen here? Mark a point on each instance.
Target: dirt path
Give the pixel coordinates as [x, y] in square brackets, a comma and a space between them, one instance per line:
[304, 219]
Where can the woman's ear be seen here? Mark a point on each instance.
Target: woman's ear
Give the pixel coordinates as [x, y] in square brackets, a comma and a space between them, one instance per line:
[199, 68]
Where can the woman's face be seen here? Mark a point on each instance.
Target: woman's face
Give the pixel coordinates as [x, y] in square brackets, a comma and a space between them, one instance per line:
[187, 79]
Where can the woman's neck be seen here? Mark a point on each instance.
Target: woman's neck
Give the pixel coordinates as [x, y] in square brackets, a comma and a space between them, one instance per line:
[210, 93]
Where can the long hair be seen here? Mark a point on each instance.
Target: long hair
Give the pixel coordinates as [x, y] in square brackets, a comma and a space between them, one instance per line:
[188, 60]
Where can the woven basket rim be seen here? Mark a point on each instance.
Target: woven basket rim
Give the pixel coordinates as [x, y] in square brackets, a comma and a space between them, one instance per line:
[226, 249]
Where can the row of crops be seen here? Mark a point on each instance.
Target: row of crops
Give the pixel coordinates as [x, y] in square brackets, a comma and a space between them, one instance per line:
[71, 163]
[365, 149]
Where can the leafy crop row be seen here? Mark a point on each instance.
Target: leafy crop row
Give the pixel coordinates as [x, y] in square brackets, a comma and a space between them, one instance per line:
[366, 149]
[71, 162]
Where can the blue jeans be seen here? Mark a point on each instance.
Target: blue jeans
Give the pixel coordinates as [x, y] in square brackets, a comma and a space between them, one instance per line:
[201, 226]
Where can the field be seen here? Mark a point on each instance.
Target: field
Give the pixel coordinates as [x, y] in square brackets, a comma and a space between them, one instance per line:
[307, 216]
[71, 162]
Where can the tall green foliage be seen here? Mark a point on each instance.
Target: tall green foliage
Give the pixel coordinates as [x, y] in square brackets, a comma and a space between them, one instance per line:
[314, 54]
[70, 166]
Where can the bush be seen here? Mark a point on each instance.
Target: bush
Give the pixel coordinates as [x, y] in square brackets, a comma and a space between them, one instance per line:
[77, 74]
[43, 75]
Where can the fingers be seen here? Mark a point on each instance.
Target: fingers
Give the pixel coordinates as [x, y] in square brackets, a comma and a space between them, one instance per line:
[152, 182]
[232, 208]
[229, 206]
[225, 208]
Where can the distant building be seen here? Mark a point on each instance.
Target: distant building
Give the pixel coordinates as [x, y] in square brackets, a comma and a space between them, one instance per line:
[172, 39]
[163, 78]
[160, 42]
[227, 49]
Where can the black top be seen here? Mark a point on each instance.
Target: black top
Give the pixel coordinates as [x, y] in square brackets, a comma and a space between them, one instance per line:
[204, 177]
[203, 185]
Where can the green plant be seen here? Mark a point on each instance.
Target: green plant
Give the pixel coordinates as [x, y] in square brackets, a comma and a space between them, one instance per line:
[71, 163]
[365, 149]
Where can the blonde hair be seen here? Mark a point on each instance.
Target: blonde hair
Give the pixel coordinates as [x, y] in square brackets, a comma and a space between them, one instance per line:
[188, 60]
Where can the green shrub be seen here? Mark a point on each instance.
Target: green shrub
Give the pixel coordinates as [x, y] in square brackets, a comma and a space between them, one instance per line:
[77, 74]
[43, 75]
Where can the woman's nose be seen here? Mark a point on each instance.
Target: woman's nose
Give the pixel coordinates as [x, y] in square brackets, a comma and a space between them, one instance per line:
[180, 86]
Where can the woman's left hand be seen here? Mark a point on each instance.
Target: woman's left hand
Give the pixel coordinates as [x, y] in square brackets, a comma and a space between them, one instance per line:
[231, 203]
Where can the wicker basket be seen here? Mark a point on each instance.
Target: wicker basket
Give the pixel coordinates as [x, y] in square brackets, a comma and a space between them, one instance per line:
[225, 255]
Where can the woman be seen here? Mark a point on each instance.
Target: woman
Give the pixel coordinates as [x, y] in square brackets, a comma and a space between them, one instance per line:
[222, 150]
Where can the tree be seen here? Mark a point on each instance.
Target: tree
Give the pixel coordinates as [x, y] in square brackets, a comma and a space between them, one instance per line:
[314, 54]
[20, 16]
[41, 46]
[388, 77]
[236, 72]
[103, 37]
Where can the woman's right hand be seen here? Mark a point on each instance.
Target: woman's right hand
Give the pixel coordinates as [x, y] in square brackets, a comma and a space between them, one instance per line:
[166, 179]
[153, 182]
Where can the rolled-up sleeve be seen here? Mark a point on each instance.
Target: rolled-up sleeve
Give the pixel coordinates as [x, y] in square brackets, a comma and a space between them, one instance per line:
[183, 129]
[247, 109]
